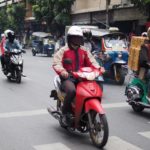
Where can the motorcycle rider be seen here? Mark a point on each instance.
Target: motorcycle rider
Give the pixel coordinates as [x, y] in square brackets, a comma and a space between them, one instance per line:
[11, 41]
[144, 60]
[78, 57]
[10, 44]
[87, 39]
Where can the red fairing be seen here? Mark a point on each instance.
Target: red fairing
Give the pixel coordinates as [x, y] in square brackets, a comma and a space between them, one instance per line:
[85, 90]
[94, 104]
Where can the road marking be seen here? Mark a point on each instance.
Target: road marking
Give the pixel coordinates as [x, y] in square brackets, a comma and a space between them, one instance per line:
[44, 111]
[145, 134]
[53, 146]
[115, 105]
[114, 143]
[24, 113]
[27, 78]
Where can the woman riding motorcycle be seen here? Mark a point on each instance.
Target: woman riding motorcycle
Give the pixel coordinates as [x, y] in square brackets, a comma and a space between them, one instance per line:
[10, 44]
[77, 57]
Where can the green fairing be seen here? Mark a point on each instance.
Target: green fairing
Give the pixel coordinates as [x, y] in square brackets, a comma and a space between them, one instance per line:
[142, 85]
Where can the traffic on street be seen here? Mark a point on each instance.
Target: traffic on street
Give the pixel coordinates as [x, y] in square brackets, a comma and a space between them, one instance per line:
[26, 124]
[74, 75]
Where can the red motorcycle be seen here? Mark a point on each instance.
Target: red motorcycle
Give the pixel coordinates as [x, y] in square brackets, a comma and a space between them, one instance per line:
[87, 112]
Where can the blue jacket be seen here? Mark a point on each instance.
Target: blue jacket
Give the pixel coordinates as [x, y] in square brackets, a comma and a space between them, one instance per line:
[10, 46]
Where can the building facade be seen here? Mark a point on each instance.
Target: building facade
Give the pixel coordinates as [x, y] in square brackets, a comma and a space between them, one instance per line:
[121, 13]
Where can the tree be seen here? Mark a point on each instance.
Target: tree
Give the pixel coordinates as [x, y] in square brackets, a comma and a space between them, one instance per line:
[3, 19]
[54, 12]
[143, 5]
[15, 16]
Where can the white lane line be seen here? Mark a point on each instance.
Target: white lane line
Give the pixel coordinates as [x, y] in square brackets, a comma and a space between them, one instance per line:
[44, 111]
[114, 143]
[53, 146]
[145, 134]
[27, 78]
[115, 105]
[24, 113]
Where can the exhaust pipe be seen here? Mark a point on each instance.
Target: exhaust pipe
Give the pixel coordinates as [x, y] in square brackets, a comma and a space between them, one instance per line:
[56, 114]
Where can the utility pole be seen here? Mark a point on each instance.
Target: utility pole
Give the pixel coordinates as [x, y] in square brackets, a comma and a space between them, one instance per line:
[107, 13]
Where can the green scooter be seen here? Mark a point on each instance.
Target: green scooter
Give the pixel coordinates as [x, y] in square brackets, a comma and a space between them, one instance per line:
[136, 92]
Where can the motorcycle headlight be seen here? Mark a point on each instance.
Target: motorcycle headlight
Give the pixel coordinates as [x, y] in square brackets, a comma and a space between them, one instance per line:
[119, 55]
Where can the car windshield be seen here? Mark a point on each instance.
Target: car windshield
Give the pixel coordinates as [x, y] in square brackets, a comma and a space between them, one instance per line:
[115, 40]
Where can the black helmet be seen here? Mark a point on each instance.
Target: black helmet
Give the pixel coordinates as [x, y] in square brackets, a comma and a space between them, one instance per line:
[87, 34]
[10, 35]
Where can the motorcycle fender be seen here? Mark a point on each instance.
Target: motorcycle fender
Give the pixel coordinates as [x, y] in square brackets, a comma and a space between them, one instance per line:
[94, 104]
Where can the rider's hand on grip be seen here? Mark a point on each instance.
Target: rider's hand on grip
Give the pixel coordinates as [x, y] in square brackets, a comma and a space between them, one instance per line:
[65, 74]
[102, 70]
[7, 53]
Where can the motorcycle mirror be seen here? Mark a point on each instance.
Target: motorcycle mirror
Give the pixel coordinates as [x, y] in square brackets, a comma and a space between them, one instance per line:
[68, 61]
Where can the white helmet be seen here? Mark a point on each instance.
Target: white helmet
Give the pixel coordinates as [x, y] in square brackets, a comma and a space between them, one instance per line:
[144, 34]
[2, 35]
[75, 31]
[7, 31]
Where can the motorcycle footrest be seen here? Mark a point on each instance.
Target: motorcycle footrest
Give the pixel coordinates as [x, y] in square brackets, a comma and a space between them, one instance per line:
[138, 103]
[145, 105]
[54, 94]
[56, 114]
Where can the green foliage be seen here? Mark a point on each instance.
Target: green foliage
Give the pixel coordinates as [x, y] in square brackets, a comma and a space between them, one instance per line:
[143, 5]
[32, 1]
[53, 12]
[62, 18]
[3, 20]
[16, 15]
[12, 17]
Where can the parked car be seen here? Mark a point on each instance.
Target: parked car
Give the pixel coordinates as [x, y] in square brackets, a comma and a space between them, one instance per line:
[42, 43]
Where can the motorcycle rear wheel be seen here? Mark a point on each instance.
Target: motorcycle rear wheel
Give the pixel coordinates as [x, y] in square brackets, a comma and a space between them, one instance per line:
[100, 131]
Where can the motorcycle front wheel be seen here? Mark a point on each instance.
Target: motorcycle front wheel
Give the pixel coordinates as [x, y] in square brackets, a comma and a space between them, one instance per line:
[99, 132]
[120, 77]
[18, 78]
[137, 108]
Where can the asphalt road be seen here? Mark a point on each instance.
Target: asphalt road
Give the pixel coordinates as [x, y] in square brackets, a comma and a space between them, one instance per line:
[26, 125]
